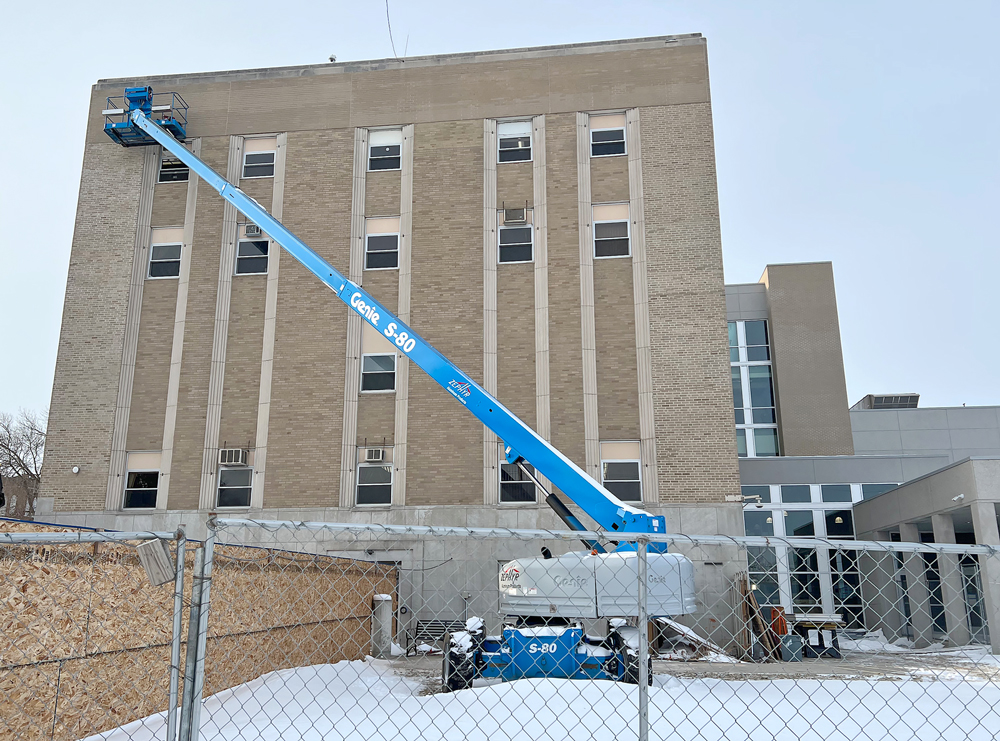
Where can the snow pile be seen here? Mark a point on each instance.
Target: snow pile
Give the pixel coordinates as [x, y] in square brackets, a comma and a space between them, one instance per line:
[875, 642]
[366, 701]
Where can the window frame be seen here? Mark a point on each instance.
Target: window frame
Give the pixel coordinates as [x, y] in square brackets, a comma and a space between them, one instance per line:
[528, 480]
[150, 261]
[267, 257]
[531, 142]
[383, 234]
[628, 236]
[623, 153]
[638, 466]
[740, 365]
[165, 156]
[531, 242]
[395, 368]
[127, 488]
[243, 169]
[397, 157]
[357, 483]
[219, 487]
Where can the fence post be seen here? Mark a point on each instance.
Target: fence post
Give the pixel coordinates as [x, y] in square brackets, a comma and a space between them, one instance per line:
[643, 620]
[198, 686]
[175, 645]
[191, 657]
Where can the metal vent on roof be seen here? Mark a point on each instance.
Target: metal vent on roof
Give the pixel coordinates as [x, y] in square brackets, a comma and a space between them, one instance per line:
[888, 401]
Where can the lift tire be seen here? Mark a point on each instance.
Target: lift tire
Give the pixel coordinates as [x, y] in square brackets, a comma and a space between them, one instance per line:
[630, 663]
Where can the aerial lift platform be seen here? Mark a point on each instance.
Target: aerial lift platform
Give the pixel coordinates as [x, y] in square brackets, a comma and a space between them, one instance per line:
[546, 597]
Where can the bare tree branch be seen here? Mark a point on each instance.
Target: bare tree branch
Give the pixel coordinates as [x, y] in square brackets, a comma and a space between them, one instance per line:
[22, 447]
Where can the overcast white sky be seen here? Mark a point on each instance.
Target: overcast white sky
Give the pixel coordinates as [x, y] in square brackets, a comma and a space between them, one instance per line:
[859, 132]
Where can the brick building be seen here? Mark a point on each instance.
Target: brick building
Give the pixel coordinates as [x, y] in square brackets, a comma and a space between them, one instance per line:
[547, 218]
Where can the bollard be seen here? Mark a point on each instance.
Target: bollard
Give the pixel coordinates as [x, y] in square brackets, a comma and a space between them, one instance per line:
[382, 626]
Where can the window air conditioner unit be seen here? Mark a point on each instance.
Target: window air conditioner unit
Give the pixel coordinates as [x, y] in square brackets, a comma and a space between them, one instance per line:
[253, 230]
[515, 216]
[374, 455]
[233, 456]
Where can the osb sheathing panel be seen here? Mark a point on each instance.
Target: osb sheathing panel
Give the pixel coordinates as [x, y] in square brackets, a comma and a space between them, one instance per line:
[88, 639]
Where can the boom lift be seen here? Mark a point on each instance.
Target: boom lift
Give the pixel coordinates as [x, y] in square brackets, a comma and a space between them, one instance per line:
[546, 593]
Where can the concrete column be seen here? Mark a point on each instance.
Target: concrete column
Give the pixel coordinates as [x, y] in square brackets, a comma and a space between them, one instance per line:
[382, 626]
[882, 608]
[952, 592]
[984, 521]
[491, 443]
[916, 588]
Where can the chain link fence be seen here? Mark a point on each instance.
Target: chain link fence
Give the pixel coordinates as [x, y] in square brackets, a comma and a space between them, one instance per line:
[88, 642]
[329, 631]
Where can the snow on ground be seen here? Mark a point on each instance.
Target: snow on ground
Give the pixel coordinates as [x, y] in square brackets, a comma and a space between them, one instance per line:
[367, 701]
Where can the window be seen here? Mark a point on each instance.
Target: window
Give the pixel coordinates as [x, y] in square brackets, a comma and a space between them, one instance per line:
[799, 524]
[374, 484]
[754, 407]
[611, 239]
[251, 256]
[762, 565]
[836, 492]
[515, 484]
[873, 490]
[164, 260]
[611, 230]
[806, 589]
[622, 479]
[385, 149]
[172, 170]
[759, 522]
[234, 487]
[381, 251]
[840, 524]
[514, 141]
[140, 489]
[607, 135]
[378, 372]
[258, 165]
[795, 493]
[516, 244]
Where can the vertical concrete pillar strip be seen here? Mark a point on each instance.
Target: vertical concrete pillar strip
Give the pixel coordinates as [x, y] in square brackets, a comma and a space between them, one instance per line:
[270, 313]
[984, 522]
[403, 309]
[543, 397]
[952, 591]
[916, 589]
[140, 255]
[177, 345]
[352, 376]
[644, 356]
[591, 433]
[227, 258]
[491, 448]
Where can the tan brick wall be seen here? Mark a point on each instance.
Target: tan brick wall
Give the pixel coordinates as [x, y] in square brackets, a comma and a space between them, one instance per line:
[307, 391]
[376, 418]
[244, 345]
[323, 97]
[382, 193]
[447, 310]
[383, 285]
[152, 365]
[609, 179]
[695, 432]
[808, 361]
[169, 200]
[617, 373]
[515, 184]
[89, 357]
[565, 351]
[516, 339]
[192, 397]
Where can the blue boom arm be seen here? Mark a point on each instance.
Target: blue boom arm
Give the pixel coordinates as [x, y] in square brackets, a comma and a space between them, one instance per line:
[521, 442]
